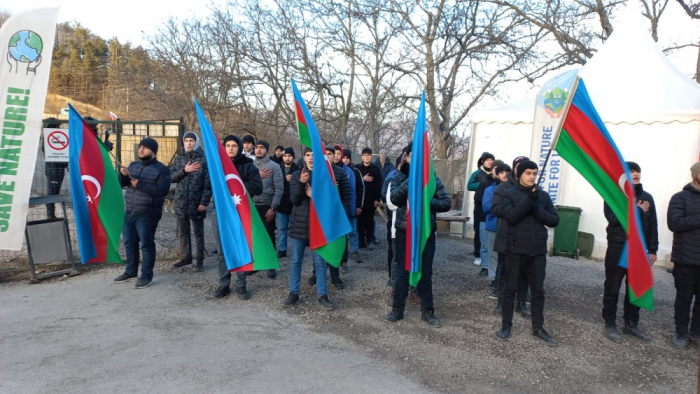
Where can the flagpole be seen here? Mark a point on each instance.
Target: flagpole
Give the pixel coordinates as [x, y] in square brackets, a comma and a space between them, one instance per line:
[574, 86]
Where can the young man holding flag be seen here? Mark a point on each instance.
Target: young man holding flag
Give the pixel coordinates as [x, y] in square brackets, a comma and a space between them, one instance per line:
[439, 202]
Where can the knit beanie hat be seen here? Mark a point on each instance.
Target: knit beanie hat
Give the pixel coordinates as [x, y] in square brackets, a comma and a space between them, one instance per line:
[484, 157]
[190, 134]
[288, 151]
[249, 138]
[695, 170]
[231, 138]
[518, 160]
[367, 150]
[634, 166]
[347, 153]
[279, 147]
[263, 143]
[503, 167]
[525, 165]
[150, 143]
[496, 163]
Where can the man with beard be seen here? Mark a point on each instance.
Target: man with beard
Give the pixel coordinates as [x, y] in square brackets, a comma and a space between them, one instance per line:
[277, 157]
[359, 200]
[482, 173]
[288, 167]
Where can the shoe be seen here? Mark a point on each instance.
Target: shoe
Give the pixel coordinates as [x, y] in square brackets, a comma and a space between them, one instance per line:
[523, 310]
[251, 273]
[291, 300]
[272, 274]
[395, 315]
[499, 309]
[484, 272]
[429, 316]
[143, 283]
[242, 293]
[680, 342]
[390, 283]
[356, 258]
[477, 261]
[610, 332]
[338, 284]
[214, 252]
[198, 267]
[492, 284]
[326, 303]
[221, 292]
[503, 333]
[182, 263]
[281, 253]
[124, 278]
[632, 328]
[542, 334]
[344, 268]
[494, 295]
[311, 281]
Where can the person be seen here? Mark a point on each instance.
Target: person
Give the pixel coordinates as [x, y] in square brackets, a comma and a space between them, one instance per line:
[277, 157]
[483, 235]
[372, 176]
[273, 187]
[55, 172]
[147, 182]
[288, 167]
[360, 201]
[683, 219]
[192, 195]
[249, 146]
[250, 176]
[527, 209]
[300, 195]
[614, 274]
[439, 203]
[384, 163]
[491, 224]
[355, 203]
[482, 173]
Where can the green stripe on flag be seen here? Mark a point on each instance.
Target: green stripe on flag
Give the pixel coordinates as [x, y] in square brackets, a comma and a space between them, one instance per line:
[264, 255]
[646, 301]
[304, 135]
[111, 208]
[333, 252]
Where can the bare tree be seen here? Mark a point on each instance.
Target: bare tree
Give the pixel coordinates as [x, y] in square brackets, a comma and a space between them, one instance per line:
[4, 16]
[653, 10]
[691, 7]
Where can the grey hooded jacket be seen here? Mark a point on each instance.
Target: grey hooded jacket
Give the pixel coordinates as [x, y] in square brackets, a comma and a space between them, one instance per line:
[273, 186]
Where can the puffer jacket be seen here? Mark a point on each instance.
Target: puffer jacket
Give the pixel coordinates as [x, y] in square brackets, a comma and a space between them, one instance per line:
[285, 206]
[193, 189]
[526, 220]
[147, 198]
[491, 222]
[650, 227]
[399, 196]
[273, 186]
[299, 219]
[350, 173]
[479, 215]
[476, 178]
[684, 220]
[249, 173]
[496, 210]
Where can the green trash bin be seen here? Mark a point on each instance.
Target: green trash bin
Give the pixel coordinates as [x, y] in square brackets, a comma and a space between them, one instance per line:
[566, 233]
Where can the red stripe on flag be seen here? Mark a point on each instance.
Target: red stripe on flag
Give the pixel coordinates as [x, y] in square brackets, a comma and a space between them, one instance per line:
[317, 238]
[300, 114]
[409, 238]
[93, 174]
[426, 160]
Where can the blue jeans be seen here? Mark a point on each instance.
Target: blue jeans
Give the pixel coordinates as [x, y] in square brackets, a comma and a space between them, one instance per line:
[484, 238]
[298, 247]
[352, 237]
[140, 229]
[283, 223]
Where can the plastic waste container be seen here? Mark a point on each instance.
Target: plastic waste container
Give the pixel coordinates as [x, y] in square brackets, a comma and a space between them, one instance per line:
[566, 233]
[585, 244]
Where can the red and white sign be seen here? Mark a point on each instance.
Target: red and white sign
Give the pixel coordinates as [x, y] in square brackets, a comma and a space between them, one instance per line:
[56, 145]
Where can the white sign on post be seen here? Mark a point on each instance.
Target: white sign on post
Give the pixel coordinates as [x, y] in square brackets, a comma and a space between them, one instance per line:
[56, 145]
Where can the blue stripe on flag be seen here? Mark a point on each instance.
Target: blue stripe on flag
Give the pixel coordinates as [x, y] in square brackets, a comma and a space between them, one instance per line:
[81, 212]
[416, 184]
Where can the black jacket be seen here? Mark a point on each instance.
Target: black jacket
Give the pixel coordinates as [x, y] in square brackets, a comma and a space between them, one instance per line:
[399, 196]
[193, 189]
[684, 220]
[650, 227]
[526, 220]
[388, 167]
[479, 214]
[373, 190]
[249, 173]
[286, 204]
[146, 199]
[299, 220]
[497, 210]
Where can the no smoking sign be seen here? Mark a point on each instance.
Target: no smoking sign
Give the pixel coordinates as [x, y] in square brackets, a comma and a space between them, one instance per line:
[56, 145]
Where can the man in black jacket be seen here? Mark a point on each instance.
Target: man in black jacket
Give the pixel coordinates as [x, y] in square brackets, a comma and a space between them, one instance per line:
[277, 157]
[480, 221]
[527, 209]
[684, 220]
[147, 183]
[439, 203]
[372, 176]
[288, 167]
[614, 274]
[192, 195]
[359, 201]
[250, 175]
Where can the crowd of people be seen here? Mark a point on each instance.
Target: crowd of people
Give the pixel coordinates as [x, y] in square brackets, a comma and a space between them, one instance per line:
[511, 216]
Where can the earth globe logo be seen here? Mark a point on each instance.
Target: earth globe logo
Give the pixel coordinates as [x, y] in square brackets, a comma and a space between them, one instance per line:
[25, 48]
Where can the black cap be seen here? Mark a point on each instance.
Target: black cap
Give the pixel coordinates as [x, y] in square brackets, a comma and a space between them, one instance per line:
[249, 138]
[634, 166]
[261, 142]
[232, 138]
[330, 148]
[150, 143]
[288, 151]
[484, 157]
[526, 165]
[190, 134]
[279, 147]
[503, 167]
[347, 153]
[518, 160]
[367, 150]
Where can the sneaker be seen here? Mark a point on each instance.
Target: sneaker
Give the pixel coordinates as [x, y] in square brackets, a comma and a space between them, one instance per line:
[493, 295]
[311, 281]
[492, 284]
[484, 272]
[198, 267]
[143, 283]
[477, 261]
[251, 273]
[356, 258]
[221, 292]
[291, 300]
[680, 341]
[344, 268]
[632, 328]
[242, 293]
[182, 263]
[499, 309]
[326, 303]
[272, 274]
[124, 278]
[610, 332]
[543, 335]
[523, 310]
[429, 316]
[338, 284]
[504, 333]
[395, 315]
[281, 253]
[694, 337]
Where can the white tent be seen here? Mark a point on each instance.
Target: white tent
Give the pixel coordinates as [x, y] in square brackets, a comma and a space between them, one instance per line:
[650, 108]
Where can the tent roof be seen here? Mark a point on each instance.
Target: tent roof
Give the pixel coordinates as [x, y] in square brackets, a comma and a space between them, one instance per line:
[629, 80]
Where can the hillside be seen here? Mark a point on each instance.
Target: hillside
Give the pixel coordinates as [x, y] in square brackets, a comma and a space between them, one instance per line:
[54, 103]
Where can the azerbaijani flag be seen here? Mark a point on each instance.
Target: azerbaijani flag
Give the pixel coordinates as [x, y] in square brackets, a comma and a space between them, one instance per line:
[327, 228]
[244, 240]
[98, 203]
[421, 189]
[584, 142]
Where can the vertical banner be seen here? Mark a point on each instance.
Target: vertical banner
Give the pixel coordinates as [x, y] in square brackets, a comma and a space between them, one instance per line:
[549, 117]
[26, 48]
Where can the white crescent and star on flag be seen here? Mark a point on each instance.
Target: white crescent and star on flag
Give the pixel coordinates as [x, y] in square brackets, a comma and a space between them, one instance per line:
[236, 198]
[92, 180]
